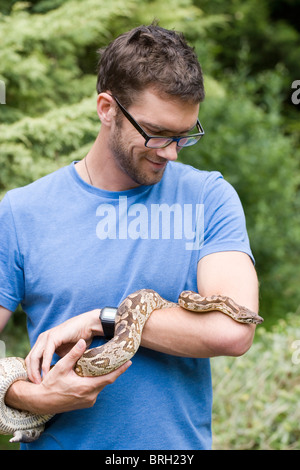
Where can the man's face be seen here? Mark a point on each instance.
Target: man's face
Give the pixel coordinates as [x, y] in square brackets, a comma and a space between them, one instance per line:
[158, 116]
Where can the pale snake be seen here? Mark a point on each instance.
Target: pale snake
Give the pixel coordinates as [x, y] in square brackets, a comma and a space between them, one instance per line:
[131, 317]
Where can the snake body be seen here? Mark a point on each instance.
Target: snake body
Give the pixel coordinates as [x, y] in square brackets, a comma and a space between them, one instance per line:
[131, 317]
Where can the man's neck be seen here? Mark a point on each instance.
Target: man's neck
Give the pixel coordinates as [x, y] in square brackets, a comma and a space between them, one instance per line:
[100, 169]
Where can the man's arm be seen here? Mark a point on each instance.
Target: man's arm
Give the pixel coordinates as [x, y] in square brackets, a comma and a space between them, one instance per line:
[173, 331]
[182, 333]
[4, 317]
[61, 389]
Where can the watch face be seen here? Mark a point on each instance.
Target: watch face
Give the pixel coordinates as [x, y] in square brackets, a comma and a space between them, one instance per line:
[108, 313]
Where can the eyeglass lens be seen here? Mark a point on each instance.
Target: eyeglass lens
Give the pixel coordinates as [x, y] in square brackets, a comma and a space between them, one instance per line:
[157, 142]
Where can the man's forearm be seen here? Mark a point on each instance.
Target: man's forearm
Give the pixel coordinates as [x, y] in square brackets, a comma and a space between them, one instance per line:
[24, 395]
[179, 332]
[172, 331]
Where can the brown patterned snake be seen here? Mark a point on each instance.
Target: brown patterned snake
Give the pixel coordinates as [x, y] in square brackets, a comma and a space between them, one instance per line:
[131, 317]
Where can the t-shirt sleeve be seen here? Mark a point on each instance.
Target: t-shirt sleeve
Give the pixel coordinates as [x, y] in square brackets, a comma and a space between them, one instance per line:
[11, 266]
[224, 219]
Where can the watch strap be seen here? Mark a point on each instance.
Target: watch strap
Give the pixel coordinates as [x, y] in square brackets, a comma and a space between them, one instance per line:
[108, 326]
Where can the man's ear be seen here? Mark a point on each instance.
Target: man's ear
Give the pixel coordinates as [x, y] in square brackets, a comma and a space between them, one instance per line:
[105, 108]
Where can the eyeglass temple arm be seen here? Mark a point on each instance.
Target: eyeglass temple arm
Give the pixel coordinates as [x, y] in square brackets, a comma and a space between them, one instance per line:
[130, 118]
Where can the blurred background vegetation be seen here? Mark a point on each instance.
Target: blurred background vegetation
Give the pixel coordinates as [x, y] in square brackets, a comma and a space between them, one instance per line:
[249, 51]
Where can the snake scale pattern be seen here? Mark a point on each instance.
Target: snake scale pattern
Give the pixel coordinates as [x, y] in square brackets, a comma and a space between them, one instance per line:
[131, 317]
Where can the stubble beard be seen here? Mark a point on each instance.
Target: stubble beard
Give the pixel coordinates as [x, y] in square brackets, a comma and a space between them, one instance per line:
[131, 166]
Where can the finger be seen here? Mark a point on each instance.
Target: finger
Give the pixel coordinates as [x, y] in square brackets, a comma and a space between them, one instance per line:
[116, 373]
[110, 378]
[33, 363]
[33, 368]
[39, 358]
[47, 358]
[68, 362]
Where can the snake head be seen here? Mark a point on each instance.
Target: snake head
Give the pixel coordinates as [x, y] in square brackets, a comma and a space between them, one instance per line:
[247, 316]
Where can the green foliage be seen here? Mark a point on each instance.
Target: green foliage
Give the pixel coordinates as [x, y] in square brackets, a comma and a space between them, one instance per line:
[41, 64]
[249, 54]
[49, 71]
[256, 397]
[34, 146]
[245, 142]
[270, 38]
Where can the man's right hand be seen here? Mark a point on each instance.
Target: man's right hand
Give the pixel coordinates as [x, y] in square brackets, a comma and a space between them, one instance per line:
[60, 340]
[61, 389]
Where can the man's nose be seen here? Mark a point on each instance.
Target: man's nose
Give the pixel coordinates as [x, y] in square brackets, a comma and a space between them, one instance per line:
[170, 152]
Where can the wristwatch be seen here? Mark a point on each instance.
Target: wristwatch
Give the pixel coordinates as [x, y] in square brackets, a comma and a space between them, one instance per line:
[107, 318]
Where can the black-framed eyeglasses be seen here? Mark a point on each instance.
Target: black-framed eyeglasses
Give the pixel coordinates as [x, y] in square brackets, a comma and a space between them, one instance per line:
[157, 142]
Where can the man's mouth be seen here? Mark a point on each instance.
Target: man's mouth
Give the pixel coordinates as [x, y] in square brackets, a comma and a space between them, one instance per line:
[157, 164]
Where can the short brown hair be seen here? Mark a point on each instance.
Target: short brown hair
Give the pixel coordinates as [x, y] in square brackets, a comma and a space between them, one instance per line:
[150, 56]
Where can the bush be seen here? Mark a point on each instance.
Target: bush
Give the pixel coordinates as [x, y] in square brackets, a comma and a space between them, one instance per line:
[256, 396]
[246, 143]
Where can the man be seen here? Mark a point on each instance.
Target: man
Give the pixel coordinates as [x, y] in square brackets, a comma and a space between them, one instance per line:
[128, 217]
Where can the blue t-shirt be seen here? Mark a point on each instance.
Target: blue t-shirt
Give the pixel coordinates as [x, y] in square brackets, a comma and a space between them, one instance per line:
[67, 247]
